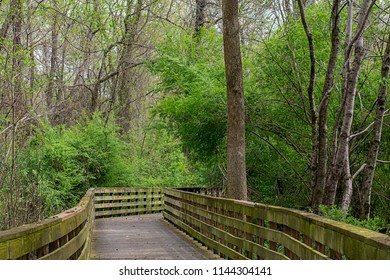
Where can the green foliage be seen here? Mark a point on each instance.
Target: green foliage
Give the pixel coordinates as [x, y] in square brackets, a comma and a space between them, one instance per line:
[192, 78]
[336, 214]
[279, 138]
[65, 161]
[278, 121]
[191, 72]
[158, 160]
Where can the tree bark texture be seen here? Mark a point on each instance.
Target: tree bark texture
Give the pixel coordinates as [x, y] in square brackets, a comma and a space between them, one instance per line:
[310, 96]
[376, 137]
[53, 66]
[350, 94]
[124, 89]
[236, 166]
[322, 167]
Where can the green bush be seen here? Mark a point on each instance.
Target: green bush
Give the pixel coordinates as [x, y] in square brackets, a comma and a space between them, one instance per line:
[334, 213]
[158, 160]
[65, 161]
[192, 79]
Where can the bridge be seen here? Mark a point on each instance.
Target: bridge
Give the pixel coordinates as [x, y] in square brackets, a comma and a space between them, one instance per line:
[166, 223]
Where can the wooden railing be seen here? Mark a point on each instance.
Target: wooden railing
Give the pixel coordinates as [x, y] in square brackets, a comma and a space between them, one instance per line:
[111, 202]
[244, 230]
[233, 229]
[68, 234]
[64, 236]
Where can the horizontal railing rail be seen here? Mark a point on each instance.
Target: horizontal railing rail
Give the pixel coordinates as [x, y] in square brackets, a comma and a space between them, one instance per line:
[112, 202]
[63, 236]
[68, 234]
[244, 230]
[233, 229]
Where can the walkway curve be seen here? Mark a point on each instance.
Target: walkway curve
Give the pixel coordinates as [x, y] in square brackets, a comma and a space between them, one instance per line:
[143, 237]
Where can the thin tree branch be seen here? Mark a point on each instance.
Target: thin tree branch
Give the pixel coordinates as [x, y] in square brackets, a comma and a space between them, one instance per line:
[360, 31]
[359, 170]
[273, 147]
[383, 161]
[361, 132]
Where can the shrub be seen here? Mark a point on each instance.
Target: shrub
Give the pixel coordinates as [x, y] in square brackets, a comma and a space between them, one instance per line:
[334, 213]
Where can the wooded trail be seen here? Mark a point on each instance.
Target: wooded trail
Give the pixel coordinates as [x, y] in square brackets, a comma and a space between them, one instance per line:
[126, 223]
[146, 237]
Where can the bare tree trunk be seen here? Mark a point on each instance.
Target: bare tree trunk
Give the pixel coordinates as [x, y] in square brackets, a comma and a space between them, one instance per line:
[348, 190]
[18, 102]
[200, 17]
[18, 106]
[377, 133]
[346, 70]
[53, 72]
[29, 45]
[236, 166]
[125, 64]
[350, 94]
[318, 190]
[310, 95]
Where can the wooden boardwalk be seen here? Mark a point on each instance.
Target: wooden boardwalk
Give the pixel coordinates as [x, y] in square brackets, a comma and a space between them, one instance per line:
[144, 237]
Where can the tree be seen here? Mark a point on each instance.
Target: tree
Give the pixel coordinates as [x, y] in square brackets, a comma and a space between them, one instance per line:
[322, 154]
[124, 91]
[341, 157]
[236, 165]
[376, 136]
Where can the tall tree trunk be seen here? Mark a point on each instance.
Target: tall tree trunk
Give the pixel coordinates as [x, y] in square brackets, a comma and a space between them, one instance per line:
[318, 190]
[53, 72]
[310, 96]
[337, 122]
[29, 45]
[236, 166]
[124, 88]
[18, 103]
[377, 133]
[348, 188]
[350, 94]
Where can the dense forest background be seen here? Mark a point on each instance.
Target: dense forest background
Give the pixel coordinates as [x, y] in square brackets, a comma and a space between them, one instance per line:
[100, 93]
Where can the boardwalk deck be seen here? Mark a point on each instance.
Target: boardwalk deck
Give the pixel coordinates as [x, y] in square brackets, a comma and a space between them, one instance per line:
[143, 237]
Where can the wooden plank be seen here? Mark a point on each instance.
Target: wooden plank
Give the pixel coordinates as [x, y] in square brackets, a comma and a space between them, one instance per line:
[30, 241]
[90, 226]
[127, 197]
[4, 250]
[30, 238]
[127, 190]
[299, 248]
[229, 238]
[127, 204]
[329, 233]
[69, 222]
[84, 255]
[133, 211]
[144, 237]
[66, 251]
[220, 248]
[223, 235]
